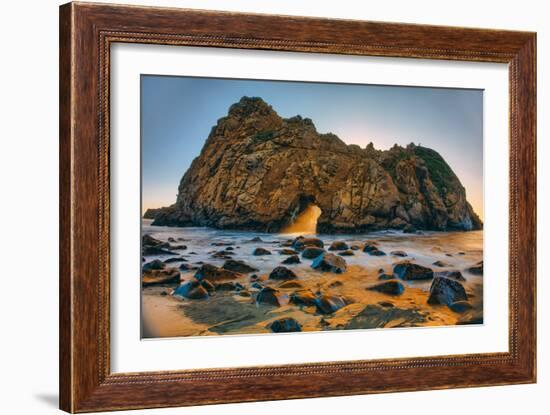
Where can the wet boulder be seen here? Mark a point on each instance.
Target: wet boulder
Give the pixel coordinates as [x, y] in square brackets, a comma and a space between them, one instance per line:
[347, 252]
[160, 276]
[153, 246]
[384, 277]
[208, 286]
[177, 259]
[398, 253]
[476, 269]
[261, 251]
[460, 306]
[177, 247]
[148, 240]
[303, 298]
[455, 275]
[270, 296]
[293, 259]
[228, 286]
[156, 264]
[377, 252]
[312, 252]
[409, 229]
[155, 250]
[338, 246]
[284, 325]
[328, 304]
[238, 266]
[391, 287]
[214, 274]
[446, 291]
[410, 271]
[291, 284]
[301, 242]
[282, 273]
[440, 264]
[288, 251]
[370, 246]
[222, 254]
[192, 289]
[329, 263]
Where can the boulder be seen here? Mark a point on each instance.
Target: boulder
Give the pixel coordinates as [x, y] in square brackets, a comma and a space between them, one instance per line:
[294, 259]
[312, 252]
[269, 296]
[409, 229]
[376, 252]
[301, 242]
[303, 298]
[440, 264]
[160, 276]
[460, 306]
[222, 254]
[476, 269]
[455, 275]
[384, 277]
[446, 291]
[290, 284]
[214, 274]
[370, 246]
[177, 247]
[238, 266]
[148, 240]
[261, 251]
[178, 259]
[208, 286]
[355, 247]
[155, 264]
[282, 273]
[347, 252]
[228, 286]
[328, 304]
[155, 250]
[191, 289]
[288, 251]
[391, 287]
[409, 271]
[338, 246]
[398, 253]
[284, 325]
[329, 263]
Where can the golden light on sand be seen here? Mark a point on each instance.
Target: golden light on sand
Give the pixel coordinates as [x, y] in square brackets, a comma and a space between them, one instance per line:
[306, 222]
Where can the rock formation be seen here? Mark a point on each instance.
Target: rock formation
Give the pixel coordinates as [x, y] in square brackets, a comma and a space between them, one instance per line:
[258, 171]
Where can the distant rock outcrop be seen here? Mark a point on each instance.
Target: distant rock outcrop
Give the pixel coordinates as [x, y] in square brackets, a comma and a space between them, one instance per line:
[259, 171]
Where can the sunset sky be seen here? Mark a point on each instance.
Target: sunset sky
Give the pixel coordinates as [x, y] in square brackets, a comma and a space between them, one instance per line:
[177, 114]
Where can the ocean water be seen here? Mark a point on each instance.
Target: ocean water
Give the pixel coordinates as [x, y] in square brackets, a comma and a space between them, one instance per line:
[458, 250]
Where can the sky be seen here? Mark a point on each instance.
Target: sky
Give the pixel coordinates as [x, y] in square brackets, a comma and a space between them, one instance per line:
[177, 114]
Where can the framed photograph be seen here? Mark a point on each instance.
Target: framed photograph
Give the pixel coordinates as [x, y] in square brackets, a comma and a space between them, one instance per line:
[260, 207]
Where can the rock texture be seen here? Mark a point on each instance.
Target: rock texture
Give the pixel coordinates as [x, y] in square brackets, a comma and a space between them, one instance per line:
[259, 171]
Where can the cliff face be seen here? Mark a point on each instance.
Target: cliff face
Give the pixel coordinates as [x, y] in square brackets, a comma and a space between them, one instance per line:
[259, 171]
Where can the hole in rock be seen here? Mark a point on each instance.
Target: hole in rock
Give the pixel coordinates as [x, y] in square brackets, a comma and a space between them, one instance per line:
[305, 222]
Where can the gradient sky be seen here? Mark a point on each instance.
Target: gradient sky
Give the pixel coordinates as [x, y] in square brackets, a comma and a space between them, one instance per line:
[177, 114]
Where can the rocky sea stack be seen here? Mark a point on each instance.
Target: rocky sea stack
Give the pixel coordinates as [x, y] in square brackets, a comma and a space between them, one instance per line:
[258, 171]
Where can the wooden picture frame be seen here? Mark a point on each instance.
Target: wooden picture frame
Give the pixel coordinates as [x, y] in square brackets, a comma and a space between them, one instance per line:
[86, 33]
